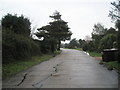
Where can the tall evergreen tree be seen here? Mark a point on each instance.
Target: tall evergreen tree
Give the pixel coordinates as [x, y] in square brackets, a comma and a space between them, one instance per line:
[57, 30]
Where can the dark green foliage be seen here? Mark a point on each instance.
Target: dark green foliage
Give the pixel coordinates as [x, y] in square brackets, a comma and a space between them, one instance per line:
[66, 45]
[23, 47]
[73, 44]
[59, 29]
[19, 25]
[97, 34]
[16, 41]
[88, 46]
[114, 14]
[8, 46]
[85, 47]
[91, 46]
[99, 29]
[82, 43]
[49, 42]
[56, 15]
[35, 47]
[118, 34]
[17, 47]
[118, 38]
[54, 33]
[103, 39]
[107, 42]
[47, 46]
[26, 47]
[111, 31]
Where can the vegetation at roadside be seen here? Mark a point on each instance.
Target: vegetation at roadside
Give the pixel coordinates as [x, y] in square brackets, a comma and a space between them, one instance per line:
[19, 47]
[17, 66]
[54, 32]
[23, 48]
[18, 41]
[57, 52]
[112, 64]
[80, 49]
[101, 37]
[95, 54]
[17, 44]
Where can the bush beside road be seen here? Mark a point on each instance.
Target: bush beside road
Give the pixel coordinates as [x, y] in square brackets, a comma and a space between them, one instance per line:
[18, 66]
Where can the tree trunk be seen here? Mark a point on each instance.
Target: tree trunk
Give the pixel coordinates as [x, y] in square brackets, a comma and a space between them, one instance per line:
[59, 42]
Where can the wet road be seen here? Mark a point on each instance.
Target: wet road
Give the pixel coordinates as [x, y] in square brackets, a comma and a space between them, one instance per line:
[70, 69]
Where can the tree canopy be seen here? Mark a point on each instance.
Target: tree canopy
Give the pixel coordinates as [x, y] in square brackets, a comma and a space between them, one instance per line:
[57, 30]
[16, 41]
[18, 25]
[115, 12]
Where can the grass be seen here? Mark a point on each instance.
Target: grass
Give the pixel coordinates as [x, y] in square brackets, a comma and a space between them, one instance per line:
[18, 66]
[95, 54]
[113, 64]
[80, 49]
[57, 52]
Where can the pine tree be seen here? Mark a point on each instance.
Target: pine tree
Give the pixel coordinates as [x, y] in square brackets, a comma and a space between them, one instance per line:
[57, 30]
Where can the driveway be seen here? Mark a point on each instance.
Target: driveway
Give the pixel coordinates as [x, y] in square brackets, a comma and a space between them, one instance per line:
[70, 69]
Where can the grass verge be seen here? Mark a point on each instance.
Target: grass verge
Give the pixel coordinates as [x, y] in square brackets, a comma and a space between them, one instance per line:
[15, 67]
[112, 64]
[18, 66]
[80, 49]
[57, 52]
[95, 54]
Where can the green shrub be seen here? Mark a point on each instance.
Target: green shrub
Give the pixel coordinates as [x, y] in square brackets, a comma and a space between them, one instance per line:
[35, 47]
[107, 41]
[17, 47]
[17, 43]
[17, 24]
[8, 46]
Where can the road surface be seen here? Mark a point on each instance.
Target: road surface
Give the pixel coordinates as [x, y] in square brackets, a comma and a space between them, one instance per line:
[70, 69]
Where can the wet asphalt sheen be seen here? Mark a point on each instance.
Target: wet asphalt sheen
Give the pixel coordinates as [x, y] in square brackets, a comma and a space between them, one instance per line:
[70, 69]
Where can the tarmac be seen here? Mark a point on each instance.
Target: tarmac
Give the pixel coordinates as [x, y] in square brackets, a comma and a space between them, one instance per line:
[70, 69]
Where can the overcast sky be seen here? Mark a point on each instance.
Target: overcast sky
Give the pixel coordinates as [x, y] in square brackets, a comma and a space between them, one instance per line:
[81, 15]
